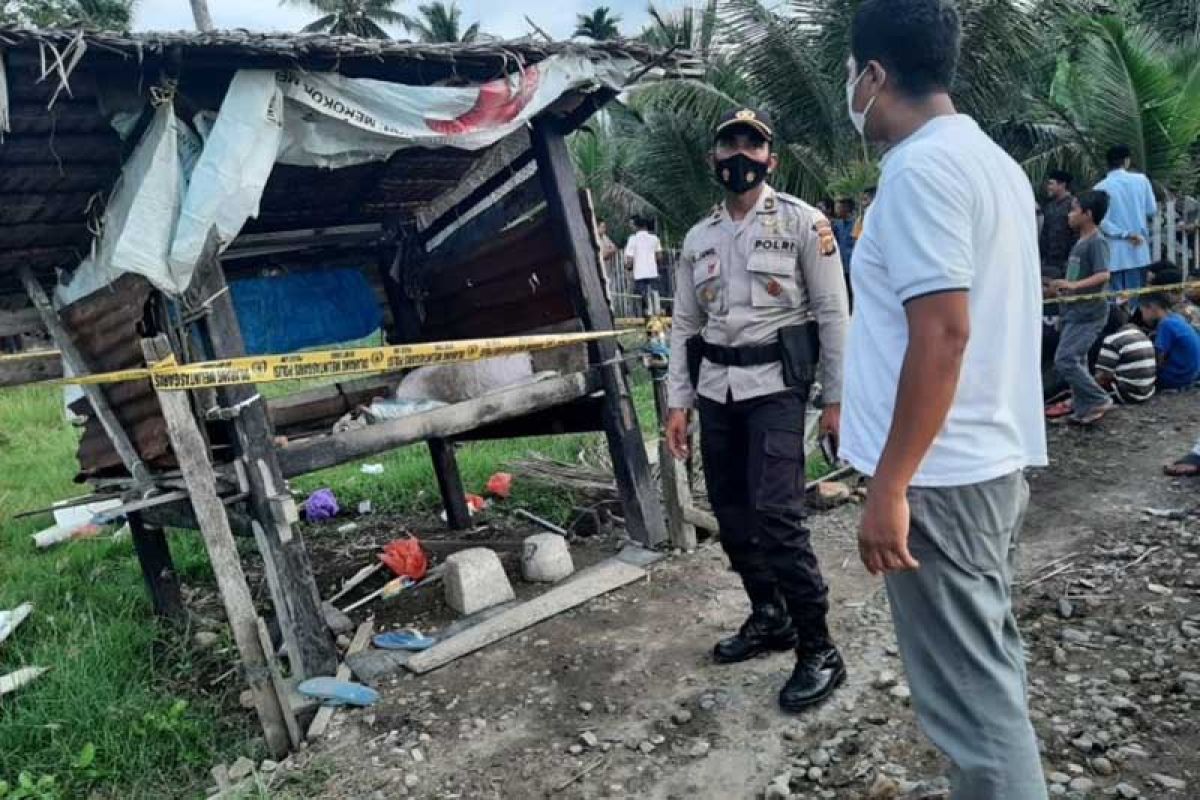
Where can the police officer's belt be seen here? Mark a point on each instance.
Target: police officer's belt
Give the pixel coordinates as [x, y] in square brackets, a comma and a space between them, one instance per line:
[751, 356]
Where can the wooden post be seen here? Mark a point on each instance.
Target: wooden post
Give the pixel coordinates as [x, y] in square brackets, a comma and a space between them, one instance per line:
[639, 496]
[74, 360]
[192, 453]
[293, 588]
[454, 498]
[158, 570]
[677, 495]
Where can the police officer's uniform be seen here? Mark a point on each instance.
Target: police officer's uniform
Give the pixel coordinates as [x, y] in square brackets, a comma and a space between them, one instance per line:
[738, 283]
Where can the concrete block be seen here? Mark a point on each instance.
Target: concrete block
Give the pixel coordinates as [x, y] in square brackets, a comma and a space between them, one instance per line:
[475, 580]
[546, 558]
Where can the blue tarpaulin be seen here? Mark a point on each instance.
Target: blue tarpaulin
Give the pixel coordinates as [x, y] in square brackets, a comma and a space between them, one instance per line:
[286, 313]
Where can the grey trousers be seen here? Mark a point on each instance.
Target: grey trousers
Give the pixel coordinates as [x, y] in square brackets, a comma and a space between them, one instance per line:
[958, 638]
[1071, 363]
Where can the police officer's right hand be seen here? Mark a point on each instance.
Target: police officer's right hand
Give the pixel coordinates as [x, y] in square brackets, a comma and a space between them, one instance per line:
[677, 433]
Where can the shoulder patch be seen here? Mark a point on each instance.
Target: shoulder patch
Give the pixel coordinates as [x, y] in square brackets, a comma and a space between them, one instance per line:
[826, 242]
[791, 200]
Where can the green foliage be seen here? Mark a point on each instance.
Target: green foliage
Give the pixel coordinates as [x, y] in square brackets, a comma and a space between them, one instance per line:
[441, 22]
[600, 25]
[364, 18]
[1056, 82]
[100, 14]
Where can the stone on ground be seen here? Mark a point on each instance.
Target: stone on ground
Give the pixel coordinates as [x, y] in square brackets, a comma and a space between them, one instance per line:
[475, 580]
[546, 558]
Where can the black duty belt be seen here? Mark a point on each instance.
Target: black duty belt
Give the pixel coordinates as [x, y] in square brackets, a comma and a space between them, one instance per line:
[752, 356]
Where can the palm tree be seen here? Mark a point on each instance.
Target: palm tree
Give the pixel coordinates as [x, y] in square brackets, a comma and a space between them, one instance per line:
[364, 18]
[101, 14]
[1124, 83]
[600, 25]
[440, 22]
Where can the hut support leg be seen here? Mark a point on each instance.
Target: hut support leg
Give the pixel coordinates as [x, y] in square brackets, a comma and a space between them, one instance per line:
[192, 452]
[639, 495]
[454, 498]
[158, 570]
[294, 591]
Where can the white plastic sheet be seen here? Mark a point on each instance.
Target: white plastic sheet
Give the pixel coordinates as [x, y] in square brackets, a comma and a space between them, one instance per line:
[177, 189]
[4, 122]
[232, 171]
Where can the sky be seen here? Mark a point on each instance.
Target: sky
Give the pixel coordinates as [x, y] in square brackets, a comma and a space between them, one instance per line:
[503, 18]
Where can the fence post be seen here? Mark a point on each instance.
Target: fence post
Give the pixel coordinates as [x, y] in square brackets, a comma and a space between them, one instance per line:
[1171, 230]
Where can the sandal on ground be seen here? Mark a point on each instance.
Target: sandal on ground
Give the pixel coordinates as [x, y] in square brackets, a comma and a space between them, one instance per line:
[1092, 417]
[1059, 409]
[1186, 467]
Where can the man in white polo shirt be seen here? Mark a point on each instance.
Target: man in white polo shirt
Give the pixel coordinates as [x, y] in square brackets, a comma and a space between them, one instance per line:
[642, 253]
[942, 397]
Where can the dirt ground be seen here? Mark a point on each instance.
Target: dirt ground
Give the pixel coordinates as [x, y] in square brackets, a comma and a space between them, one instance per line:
[620, 698]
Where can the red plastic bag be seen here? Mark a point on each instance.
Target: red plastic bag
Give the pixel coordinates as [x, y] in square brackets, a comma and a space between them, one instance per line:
[500, 485]
[405, 558]
[476, 503]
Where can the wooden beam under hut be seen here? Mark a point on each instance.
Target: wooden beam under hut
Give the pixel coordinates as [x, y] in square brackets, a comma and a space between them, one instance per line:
[286, 563]
[639, 495]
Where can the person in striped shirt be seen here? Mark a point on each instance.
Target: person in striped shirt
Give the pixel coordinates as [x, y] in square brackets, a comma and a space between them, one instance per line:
[1127, 368]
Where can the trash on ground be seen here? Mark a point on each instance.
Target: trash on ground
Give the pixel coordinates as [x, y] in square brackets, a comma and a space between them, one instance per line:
[321, 505]
[387, 592]
[22, 677]
[331, 691]
[349, 527]
[65, 533]
[372, 469]
[365, 507]
[405, 557]
[476, 503]
[13, 617]
[355, 580]
[500, 485]
[408, 639]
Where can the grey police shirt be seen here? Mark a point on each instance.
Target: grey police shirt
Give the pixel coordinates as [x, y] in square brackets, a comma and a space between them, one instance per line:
[738, 283]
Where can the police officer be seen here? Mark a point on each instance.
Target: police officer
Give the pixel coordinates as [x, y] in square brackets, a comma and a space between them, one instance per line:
[759, 299]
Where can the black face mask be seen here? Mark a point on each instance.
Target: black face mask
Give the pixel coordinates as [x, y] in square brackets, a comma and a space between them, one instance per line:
[741, 173]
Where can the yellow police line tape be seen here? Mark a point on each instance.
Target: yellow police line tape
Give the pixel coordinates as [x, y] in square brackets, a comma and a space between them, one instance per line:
[1125, 293]
[168, 374]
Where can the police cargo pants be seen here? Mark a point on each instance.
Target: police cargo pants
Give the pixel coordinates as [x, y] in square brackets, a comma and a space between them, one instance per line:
[753, 453]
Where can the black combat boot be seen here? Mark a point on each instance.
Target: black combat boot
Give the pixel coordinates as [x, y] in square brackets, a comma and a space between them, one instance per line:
[768, 628]
[819, 670]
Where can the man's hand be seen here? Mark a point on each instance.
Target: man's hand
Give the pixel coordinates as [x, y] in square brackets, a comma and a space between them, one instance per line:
[1136, 239]
[1059, 285]
[677, 433]
[831, 421]
[883, 538]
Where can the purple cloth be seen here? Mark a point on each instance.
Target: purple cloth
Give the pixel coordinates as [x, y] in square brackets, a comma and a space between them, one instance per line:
[321, 505]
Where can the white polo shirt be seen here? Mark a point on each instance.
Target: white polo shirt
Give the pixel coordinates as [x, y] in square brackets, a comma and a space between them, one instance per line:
[953, 212]
[643, 247]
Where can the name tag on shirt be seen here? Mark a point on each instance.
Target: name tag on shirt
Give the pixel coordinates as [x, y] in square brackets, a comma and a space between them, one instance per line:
[776, 245]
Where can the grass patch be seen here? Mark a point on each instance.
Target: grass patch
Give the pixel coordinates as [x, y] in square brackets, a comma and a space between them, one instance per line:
[115, 714]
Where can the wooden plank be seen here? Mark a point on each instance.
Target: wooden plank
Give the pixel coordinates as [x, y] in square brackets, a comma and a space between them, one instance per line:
[639, 495]
[294, 592]
[329, 451]
[22, 320]
[282, 690]
[590, 583]
[158, 570]
[79, 366]
[190, 446]
[677, 495]
[450, 485]
[326, 402]
[362, 637]
[23, 368]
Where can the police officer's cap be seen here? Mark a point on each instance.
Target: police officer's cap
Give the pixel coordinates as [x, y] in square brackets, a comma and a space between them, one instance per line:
[746, 117]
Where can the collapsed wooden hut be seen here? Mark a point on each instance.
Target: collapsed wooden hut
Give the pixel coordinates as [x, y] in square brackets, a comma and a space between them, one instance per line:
[338, 185]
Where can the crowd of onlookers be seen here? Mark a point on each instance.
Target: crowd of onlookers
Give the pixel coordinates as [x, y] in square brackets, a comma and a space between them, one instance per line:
[1101, 348]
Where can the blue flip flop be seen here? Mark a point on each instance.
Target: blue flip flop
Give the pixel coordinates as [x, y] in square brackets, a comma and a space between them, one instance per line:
[403, 640]
[332, 692]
